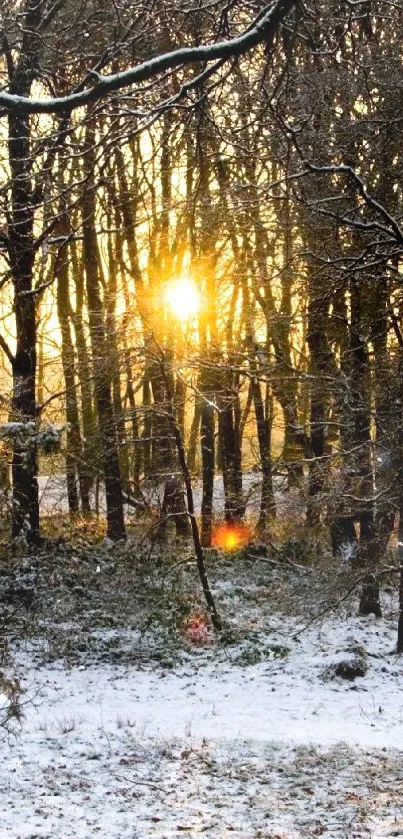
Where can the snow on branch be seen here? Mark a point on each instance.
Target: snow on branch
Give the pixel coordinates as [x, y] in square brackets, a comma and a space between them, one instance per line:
[47, 438]
[369, 199]
[263, 28]
[16, 429]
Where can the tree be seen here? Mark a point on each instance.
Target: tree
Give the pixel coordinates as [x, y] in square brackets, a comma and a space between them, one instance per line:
[31, 48]
[275, 177]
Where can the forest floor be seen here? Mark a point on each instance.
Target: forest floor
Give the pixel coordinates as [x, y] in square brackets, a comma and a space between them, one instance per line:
[137, 722]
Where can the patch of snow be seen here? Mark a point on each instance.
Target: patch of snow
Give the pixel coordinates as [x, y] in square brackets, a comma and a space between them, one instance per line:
[279, 699]
[347, 552]
[15, 429]
[269, 749]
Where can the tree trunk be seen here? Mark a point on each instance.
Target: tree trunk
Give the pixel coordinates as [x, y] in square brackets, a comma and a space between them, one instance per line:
[25, 513]
[194, 433]
[90, 434]
[162, 461]
[112, 340]
[74, 455]
[320, 365]
[147, 424]
[231, 457]
[173, 506]
[180, 449]
[208, 462]
[367, 555]
[263, 424]
[344, 537]
[102, 379]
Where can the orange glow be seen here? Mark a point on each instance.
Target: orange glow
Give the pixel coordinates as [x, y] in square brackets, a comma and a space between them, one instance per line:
[230, 536]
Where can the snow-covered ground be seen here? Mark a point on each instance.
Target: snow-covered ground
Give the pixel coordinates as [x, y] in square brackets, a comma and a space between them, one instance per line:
[53, 494]
[275, 749]
[252, 739]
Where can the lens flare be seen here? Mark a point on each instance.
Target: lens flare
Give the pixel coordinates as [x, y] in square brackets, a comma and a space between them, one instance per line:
[228, 537]
[196, 629]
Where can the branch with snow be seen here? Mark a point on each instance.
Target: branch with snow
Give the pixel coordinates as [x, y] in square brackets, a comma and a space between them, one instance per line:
[342, 169]
[13, 430]
[262, 29]
[47, 438]
[389, 226]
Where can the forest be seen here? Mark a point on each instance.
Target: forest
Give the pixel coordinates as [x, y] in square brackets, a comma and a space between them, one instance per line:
[201, 364]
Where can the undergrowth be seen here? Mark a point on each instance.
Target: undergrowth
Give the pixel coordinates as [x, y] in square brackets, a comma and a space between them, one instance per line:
[88, 601]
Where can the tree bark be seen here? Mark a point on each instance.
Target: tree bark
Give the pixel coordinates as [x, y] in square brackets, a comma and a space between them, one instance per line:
[263, 424]
[229, 420]
[102, 379]
[74, 455]
[90, 433]
[208, 463]
[21, 247]
[367, 554]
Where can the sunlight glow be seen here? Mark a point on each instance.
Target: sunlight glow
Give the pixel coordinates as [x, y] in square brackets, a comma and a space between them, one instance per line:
[183, 298]
[228, 537]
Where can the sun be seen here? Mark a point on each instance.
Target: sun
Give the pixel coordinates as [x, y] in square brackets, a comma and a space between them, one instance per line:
[183, 298]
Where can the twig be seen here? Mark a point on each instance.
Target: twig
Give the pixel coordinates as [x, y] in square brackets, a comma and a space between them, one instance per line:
[177, 564]
[284, 561]
[135, 502]
[141, 783]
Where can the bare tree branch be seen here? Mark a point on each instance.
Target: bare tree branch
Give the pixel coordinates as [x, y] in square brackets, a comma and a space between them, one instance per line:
[6, 349]
[263, 28]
